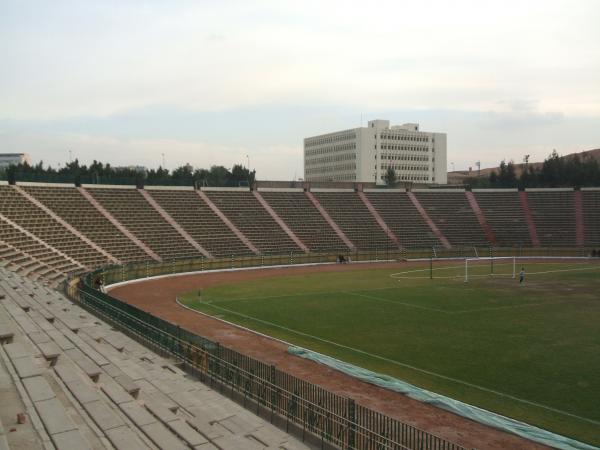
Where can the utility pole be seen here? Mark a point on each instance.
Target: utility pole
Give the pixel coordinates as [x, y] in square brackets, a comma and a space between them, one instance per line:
[478, 164]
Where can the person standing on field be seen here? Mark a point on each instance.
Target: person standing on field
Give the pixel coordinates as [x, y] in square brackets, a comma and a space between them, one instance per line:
[522, 275]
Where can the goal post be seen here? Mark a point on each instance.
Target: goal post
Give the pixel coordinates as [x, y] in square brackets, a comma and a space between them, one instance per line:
[494, 262]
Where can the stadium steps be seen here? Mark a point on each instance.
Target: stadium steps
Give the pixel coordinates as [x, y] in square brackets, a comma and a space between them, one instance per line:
[504, 214]
[553, 212]
[403, 219]
[453, 215]
[118, 225]
[38, 223]
[533, 234]
[146, 224]
[303, 218]
[334, 226]
[248, 215]
[591, 216]
[579, 221]
[485, 226]
[110, 258]
[432, 226]
[165, 215]
[355, 220]
[72, 206]
[106, 389]
[280, 222]
[29, 255]
[379, 219]
[200, 222]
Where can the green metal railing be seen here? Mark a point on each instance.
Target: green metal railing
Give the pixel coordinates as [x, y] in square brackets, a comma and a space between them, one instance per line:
[290, 402]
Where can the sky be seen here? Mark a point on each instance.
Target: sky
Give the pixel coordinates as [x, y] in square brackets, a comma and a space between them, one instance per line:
[238, 82]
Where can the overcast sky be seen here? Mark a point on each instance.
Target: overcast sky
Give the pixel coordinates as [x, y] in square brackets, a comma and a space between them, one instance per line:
[211, 82]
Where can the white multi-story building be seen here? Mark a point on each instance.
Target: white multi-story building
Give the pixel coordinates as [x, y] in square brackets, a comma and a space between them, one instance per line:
[365, 154]
[10, 159]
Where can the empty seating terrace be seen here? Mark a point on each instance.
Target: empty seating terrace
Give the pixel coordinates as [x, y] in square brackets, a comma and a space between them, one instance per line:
[502, 210]
[355, 220]
[130, 208]
[301, 216]
[403, 219]
[199, 221]
[249, 216]
[21, 253]
[453, 215]
[72, 207]
[591, 216]
[24, 213]
[84, 385]
[553, 212]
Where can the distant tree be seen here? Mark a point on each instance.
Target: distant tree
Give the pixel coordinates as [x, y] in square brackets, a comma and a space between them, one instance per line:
[241, 176]
[218, 176]
[390, 177]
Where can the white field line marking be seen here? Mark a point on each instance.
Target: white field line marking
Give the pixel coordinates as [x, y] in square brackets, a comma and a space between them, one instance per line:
[409, 305]
[372, 297]
[398, 275]
[408, 366]
[526, 305]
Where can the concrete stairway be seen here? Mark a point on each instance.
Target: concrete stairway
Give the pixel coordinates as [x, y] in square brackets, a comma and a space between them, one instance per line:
[89, 386]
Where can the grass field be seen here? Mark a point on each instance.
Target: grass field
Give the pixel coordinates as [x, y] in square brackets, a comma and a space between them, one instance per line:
[530, 352]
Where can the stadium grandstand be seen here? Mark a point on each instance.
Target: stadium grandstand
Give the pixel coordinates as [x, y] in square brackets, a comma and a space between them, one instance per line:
[78, 375]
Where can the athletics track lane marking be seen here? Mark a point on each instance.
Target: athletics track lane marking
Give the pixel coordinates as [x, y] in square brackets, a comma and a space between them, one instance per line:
[408, 366]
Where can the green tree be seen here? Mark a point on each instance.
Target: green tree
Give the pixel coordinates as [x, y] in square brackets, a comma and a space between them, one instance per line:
[390, 177]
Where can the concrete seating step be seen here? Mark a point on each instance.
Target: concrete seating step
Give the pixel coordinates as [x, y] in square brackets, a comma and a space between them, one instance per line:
[137, 413]
[86, 364]
[50, 351]
[70, 440]
[39, 320]
[38, 389]
[186, 433]
[124, 438]
[26, 367]
[160, 411]
[163, 438]
[16, 350]
[238, 425]
[54, 416]
[39, 337]
[128, 385]
[233, 442]
[60, 339]
[6, 335]
[83, 392]
[207, 429]
[270, 436]
[67, 371]
[115, 392]
[102, 415]
[115, 340]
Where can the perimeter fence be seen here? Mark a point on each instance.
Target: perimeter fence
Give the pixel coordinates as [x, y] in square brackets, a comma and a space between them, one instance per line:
[322, 417]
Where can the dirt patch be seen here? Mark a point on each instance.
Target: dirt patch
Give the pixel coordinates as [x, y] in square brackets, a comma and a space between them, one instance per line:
[159, 298]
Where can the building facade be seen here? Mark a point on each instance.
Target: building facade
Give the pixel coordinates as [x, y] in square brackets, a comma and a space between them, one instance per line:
[13, 159]
[365, 154]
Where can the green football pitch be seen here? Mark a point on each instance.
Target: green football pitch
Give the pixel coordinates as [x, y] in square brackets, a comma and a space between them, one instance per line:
[530, 351]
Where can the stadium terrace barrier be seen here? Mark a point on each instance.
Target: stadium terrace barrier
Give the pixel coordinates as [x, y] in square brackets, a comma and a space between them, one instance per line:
[321, 417]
